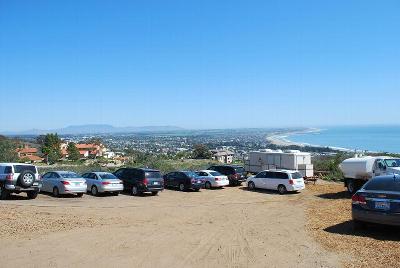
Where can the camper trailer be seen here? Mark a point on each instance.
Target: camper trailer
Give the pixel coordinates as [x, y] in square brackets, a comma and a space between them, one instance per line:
[359, 170]
[290, 160]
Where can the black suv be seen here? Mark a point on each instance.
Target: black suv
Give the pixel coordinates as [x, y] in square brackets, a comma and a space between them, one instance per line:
[236, 174]
[183, 180]
[140, 180]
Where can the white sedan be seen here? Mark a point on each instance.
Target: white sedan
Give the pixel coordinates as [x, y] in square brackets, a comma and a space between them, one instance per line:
[213, 179]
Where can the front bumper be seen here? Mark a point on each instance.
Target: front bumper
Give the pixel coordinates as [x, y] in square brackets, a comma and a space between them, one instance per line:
[375, 217]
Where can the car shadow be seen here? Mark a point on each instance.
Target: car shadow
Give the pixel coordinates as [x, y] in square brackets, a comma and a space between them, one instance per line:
[375, 231]
[126, 193]
[333, 196]
[61, 196]
[14, 197]
[264, 191]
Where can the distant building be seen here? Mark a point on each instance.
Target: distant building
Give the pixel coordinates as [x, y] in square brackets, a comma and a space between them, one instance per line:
[29, 153]
[86, 150]
[223, 156]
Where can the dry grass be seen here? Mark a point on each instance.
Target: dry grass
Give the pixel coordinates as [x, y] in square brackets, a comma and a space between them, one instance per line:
[329, 221]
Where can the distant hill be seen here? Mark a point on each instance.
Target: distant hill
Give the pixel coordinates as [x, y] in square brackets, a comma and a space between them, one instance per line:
[95, 129]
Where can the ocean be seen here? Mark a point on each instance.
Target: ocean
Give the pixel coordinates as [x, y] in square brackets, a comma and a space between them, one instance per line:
[368, 138]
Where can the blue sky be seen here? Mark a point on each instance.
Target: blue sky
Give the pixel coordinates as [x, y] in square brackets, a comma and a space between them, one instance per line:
[199, 64]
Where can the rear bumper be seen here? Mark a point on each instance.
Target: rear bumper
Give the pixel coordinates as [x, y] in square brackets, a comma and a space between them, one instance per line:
[220, 183]
[75, 190]
[294, 188]
[149, 189]
[375, 217]
[11, 187]
[118, 188]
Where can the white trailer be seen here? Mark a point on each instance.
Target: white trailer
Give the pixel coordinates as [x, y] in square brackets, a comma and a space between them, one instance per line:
[291, 160]
[358, 170]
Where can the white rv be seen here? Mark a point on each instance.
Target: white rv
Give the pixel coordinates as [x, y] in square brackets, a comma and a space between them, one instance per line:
[358, 170]
[289, 160]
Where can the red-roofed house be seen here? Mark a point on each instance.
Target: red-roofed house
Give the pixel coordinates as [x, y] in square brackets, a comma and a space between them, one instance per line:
[29, 153]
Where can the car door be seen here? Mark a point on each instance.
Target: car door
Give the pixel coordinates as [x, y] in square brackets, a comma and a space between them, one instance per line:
[269, 180]
[259, 180]
[88, 181]
[46, 181]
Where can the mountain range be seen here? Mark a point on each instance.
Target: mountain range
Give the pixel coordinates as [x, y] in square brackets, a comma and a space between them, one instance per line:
[95, 129]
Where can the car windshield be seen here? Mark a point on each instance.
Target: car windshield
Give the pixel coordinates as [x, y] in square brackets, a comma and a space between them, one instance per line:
[214, 173]
[392, 162]
[239, 169]
[190, 174]
[383, 184]
[21, 168]
[297, 175]
[69, 175]
[153, 174]
[108, 176]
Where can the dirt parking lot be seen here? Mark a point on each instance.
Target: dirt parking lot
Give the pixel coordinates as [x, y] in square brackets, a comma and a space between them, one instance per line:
[231, 227]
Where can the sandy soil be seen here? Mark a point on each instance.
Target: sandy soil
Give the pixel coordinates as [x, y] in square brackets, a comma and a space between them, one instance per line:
[231, 227]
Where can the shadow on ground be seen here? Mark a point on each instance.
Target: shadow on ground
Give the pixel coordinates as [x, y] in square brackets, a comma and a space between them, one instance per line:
[263, 191]
[338, 195]
[376, 231]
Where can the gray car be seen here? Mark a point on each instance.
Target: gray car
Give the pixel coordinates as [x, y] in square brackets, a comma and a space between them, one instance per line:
[103, 182]
[63, 182]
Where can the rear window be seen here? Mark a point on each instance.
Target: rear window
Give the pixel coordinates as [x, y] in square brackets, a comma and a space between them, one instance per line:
[214, 173]
[70, 175]
[239, 169]
[281, 175]
[383, 185]
[297, 175]
[190, 174]
[8, 170]
[152, 174]
[108, 176]
[21, 168]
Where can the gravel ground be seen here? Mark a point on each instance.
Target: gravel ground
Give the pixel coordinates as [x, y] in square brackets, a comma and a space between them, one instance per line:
[329, 221]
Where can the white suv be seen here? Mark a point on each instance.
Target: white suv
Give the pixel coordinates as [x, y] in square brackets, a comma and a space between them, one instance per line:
[17, 177]
[282, 180]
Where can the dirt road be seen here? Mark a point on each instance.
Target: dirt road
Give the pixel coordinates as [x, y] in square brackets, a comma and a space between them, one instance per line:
[231, 227]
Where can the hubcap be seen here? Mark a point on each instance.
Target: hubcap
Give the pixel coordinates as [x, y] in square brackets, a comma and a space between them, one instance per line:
[208, 185]
[134, 191]
[181, 187]
[94, 191]
[28, 178]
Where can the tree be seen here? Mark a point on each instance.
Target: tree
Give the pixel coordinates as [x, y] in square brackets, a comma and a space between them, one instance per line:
[7, 150]
[73, 152]
[51, 147]
[201, 151]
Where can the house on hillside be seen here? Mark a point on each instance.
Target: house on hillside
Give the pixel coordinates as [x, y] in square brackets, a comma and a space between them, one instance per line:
[222, 156]
[29, 153]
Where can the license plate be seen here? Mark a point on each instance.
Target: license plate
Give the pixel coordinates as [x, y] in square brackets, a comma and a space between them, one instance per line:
[77, 183]
[199, 181]
[382, 205]
[156, 183]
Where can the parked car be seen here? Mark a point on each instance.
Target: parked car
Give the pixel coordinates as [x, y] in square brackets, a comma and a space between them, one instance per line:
[213, 179]
[282, 180]
[378, 201]
[64, 182]
[17, 178]
[103, 182]
[236, 174]
[140, 180]
[183, 180]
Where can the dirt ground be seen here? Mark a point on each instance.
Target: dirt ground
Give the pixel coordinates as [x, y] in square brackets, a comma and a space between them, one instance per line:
[231, 227]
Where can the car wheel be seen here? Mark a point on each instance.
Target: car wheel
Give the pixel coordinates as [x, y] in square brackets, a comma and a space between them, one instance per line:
[358, 225]
[56, 192]
[32, 194]
[26, 179]
[251, 186]
[181, 187]
[94, 191]
[207, 185]
[4, 194]
[197, 190]
[154, 193]
[282, 189]
[351, 187]
[135, 191]
[79, 194]
[116, 194]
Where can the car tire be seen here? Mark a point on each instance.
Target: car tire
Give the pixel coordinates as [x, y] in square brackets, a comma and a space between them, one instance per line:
[56, 192]
[26, 179]
[351, 186]
[116, 194]
[94, 191]
[181, 187]
[79, 195]
[358, 225]
[154, 193]
[32, 194]
[4, 194]
[282, 189]
[251, 186]
[197, 190]
[207, 185]
[134, 191]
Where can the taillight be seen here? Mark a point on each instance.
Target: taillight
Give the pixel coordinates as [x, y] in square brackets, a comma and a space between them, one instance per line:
[193, 180]
[145, 181]
[65, 182]
[358, 200]
[39, 177]
[291, 182]
[216, 179]
[10, 177]
[105, 183]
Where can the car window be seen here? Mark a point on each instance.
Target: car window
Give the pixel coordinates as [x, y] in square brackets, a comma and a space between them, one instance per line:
[47, 175]
[297, 175]
[119, 173]
[8, 170]
[215, 173]
[261, 175]
[270, 175]
[380, 184]
[281, 175]
[239, 169]
[202, 174]
[107, 176]
[21, 168]
[153, 174]
[70, 175]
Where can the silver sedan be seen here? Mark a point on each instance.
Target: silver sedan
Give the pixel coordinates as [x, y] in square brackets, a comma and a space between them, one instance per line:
[102, 182]
[63, 182]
